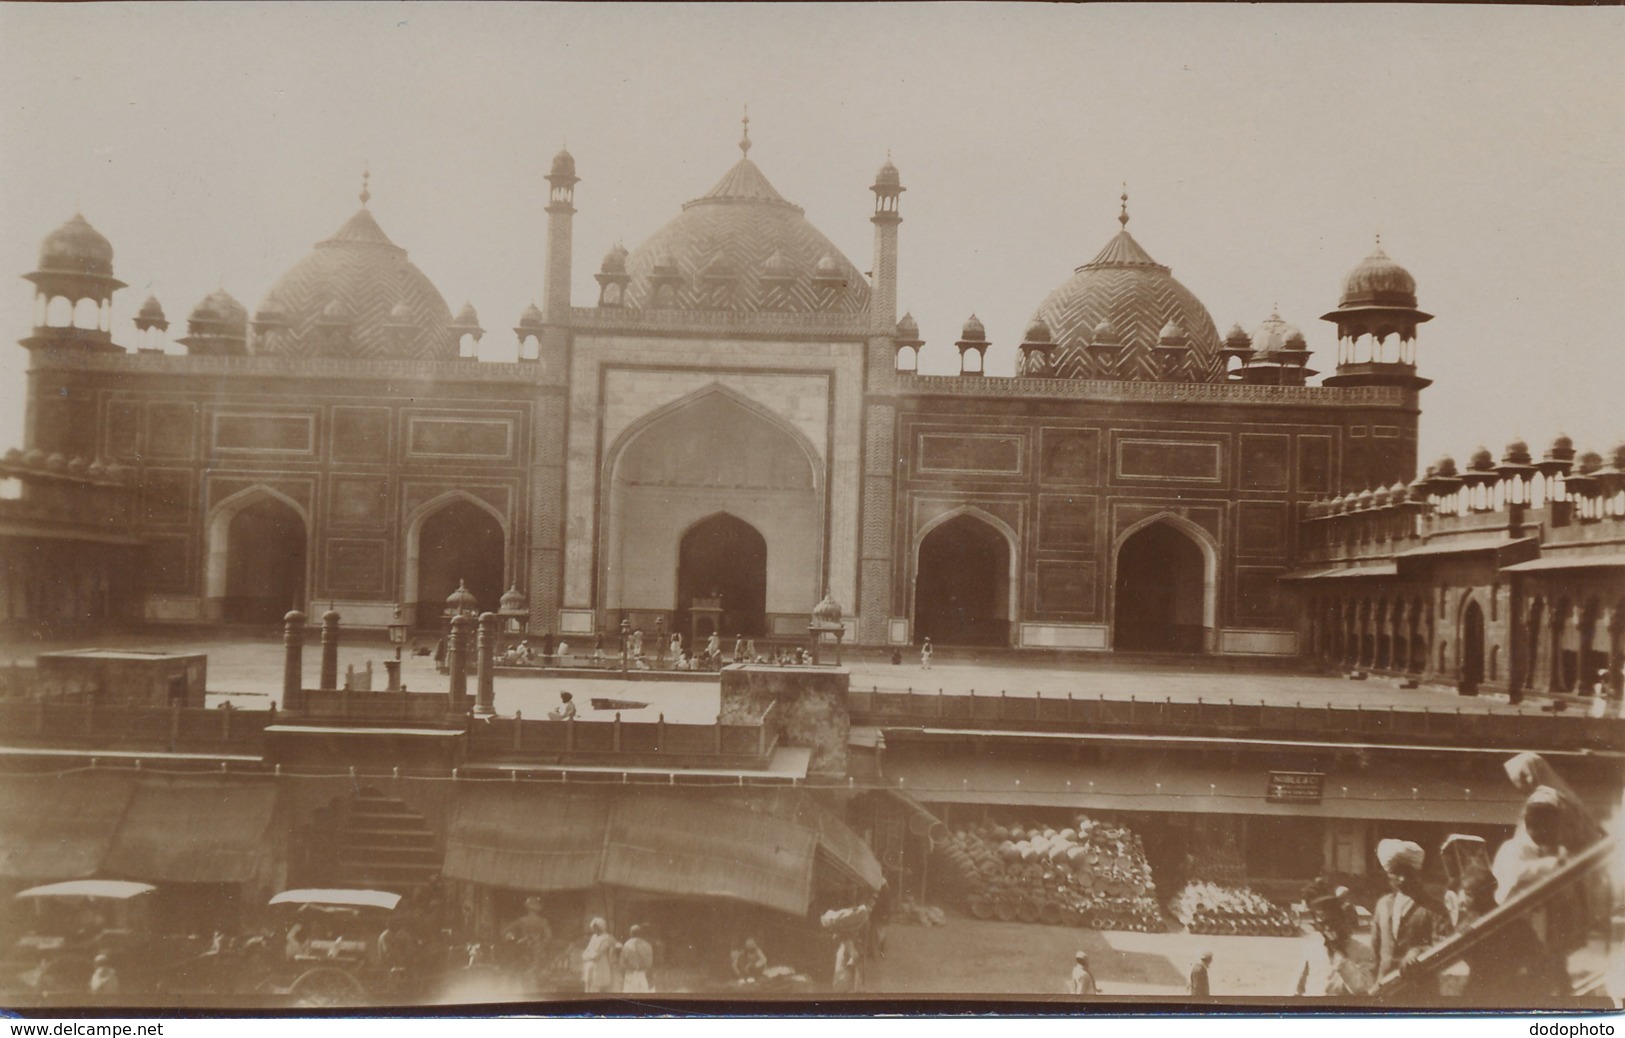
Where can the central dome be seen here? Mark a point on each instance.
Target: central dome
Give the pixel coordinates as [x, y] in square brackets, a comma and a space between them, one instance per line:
[355, 295]
[741, 246]
[1109, 316]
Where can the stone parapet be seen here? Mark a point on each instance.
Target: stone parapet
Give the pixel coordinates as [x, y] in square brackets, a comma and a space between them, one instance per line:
[808, 708]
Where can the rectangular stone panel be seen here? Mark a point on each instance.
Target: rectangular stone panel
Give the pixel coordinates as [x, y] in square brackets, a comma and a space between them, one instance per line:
[1258, 593]
[356, 566]
[461, 438]
[1264, 461]
[167, 564]
[171, 429]
[970, 453]
[1066, 587]
[270, 433]
[1314, 464]
[359, 501]
[361, 433]
[1193, 460]
[166, 495]
[1071, 455]
[123, 433]
[1261, 528]
[1065, 521]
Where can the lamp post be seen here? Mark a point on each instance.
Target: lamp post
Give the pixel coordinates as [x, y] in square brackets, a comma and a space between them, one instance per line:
[826, 621]
[514, 615]
[626, 642]
[397, 638]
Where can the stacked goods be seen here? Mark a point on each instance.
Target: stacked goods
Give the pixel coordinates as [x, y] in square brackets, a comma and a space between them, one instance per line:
[1093, 875]
[1210, 908]
[845, 920]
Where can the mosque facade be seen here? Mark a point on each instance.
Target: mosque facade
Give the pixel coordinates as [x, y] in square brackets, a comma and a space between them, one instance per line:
[736, 427]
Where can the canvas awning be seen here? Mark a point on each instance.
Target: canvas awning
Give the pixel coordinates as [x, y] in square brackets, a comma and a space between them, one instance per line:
[695, 848]
[838, 846]
[193, 831]
[1464, 546]
[512, 836]
[1380, 569]
[1568, 560]
[59, 826]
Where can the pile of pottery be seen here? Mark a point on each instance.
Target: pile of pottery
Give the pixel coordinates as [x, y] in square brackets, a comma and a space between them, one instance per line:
[1213, 908]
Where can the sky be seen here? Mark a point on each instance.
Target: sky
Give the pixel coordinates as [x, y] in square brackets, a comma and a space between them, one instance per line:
[1263, 147]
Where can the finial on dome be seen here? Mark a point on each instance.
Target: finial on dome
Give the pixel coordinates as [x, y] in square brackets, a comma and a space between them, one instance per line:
[744, 141]
[366, 193]
[1122, 215]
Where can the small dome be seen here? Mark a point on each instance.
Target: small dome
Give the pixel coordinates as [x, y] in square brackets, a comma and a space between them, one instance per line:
[1419, 486]
[973, 331]
[461, 601]
[1482, 460]
[827, 267]
[151, 315]
[1378, 281]
[1363, 501]
[97, 469]
[1039, 331]
[466, 317]
[219, 306]
[1296, 341]
[1237, 339]
[1617, 460]
[58, 462]
[614, 260]
[35, 458]
[1562, 443]
[1273, 335]
[1445, 467]
[564, 164]
[1517, 453]
[887, 176]
[1396, 493]
[76, 248]
[1172, 334]
[1105, 332]
[828, 612]
[1590, 462]
[908, 327]
[512, 600]
[1379, 497]
[76, 466]
[531, 318]
[119, 473]
[14, 456]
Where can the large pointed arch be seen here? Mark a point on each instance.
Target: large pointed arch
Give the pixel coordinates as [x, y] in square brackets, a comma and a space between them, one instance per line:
[1210, 568]
[217, 540]
[413, 542]
[1012, 577]
[647, 502]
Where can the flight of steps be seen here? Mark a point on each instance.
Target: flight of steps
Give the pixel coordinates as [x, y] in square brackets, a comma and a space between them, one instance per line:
[385, 845]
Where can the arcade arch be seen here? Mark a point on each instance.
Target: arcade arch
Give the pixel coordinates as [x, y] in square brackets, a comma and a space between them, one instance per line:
[257, 564]
[964, 579]
[1164, 587]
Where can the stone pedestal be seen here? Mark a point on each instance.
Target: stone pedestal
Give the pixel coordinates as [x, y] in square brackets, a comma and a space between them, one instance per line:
[809, 708]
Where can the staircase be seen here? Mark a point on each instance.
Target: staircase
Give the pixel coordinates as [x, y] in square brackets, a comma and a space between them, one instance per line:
[385, 845]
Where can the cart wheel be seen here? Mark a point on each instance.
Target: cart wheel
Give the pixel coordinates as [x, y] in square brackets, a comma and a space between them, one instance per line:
[1051, 913]
[326, 986]
[1027, 910]
[981, 908]
[1005, 909]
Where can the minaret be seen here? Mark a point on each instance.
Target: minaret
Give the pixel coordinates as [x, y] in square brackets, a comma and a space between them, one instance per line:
[1376, 320]
[560, 215]
[887, 187]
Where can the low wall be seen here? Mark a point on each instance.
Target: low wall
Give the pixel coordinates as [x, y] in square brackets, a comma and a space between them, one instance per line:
[809, 708]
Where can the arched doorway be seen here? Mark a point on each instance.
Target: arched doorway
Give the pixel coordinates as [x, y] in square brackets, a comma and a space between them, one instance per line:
[962, 584]
[724, 558]
[1472, 649]
[265, 562]
[1160, 592]
[458, 542]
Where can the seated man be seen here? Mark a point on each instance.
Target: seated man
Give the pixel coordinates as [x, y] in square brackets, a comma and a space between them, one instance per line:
[749, 962]
[566, 710]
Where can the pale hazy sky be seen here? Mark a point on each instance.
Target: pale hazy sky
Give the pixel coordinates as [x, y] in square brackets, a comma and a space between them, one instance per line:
[1263, 148]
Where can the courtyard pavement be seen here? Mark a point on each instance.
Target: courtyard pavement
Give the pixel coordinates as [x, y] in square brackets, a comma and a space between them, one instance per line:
[247, 669]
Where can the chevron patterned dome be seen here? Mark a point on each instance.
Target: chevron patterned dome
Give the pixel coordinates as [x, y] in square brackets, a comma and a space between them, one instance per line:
[742, 247]
[1134, 297]
[355, 295]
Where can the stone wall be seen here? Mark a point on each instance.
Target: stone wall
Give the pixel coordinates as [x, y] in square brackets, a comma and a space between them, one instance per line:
[809, 708]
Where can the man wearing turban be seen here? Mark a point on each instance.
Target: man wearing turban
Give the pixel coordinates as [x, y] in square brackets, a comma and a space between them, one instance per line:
[1407, 921]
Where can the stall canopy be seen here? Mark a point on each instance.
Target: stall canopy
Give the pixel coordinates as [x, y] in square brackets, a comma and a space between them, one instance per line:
[59, 826]
[508, 836]
[760, 847]
[194, 831]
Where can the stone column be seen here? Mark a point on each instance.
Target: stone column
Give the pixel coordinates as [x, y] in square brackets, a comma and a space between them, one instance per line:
[457, 661]
[293, 661]
[485, 687]
[330, 651]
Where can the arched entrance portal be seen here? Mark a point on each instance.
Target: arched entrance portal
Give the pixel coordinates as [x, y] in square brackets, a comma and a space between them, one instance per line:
[1472, 649]
[962, 584]
[726, 558]
[265, 562]
[1160, 592]
[460, 541]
